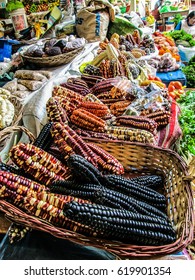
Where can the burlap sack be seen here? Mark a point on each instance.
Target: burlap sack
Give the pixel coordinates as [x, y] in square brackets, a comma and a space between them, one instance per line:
[92, 21]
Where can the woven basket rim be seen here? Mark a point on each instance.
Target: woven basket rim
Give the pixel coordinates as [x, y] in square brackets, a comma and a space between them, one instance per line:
[16, 215]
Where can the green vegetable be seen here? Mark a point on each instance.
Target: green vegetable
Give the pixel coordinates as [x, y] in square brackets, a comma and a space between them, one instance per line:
[182, 35]
[14, 5]
[187, 123]
[191, 42]
[189, 72]
[192, 61]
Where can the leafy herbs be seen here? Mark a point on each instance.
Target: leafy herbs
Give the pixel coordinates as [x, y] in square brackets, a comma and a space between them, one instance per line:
[187, 123]
[189, 72]
[14, 5]
[182, 35]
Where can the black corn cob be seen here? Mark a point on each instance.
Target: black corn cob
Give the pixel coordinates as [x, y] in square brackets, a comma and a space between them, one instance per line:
[77, 193]
[80, 165]
[121, 224]
[129, 187]
[149, 181]
[94, 193]
[44, 138]
[108, 197]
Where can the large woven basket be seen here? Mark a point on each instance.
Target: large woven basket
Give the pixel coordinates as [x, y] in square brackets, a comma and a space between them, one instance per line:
[51, 61]
[142, 159]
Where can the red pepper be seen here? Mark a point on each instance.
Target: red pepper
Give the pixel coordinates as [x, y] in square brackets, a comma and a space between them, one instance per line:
[171, 88]
[176, 84]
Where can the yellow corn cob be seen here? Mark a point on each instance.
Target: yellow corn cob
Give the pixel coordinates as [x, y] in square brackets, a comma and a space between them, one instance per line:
[98, 59]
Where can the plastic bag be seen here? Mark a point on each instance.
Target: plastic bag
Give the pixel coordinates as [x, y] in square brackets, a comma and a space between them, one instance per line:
[152, 100]
[135, 19]
[186, 53]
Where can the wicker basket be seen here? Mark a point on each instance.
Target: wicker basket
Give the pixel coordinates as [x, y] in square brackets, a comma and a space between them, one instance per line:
[51, 61]
[142, 159]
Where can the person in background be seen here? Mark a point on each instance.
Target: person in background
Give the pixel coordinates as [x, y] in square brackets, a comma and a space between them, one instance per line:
[187, 24]
[157, 6]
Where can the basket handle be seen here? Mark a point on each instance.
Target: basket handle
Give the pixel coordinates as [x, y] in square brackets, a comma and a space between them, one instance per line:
[9, 130]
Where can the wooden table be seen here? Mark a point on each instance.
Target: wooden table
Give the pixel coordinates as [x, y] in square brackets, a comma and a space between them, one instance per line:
[166, 15]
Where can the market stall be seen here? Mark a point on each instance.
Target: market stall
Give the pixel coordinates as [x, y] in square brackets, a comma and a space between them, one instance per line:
[103, 117]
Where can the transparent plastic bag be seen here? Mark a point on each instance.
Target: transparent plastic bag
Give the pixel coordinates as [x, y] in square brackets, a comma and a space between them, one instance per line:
[152, 100]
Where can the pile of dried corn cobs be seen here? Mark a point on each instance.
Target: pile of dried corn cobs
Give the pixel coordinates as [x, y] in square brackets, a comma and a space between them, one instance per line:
[76, 185]
[95, 107]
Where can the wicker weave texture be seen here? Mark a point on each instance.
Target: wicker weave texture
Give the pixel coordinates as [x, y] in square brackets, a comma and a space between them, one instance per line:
[142, 159]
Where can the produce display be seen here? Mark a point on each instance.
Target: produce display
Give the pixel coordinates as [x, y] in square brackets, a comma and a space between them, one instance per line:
[118, 56]
[114, 110]
[40, 6]
[166, 44]
[65, 177]
[175, 89]
[54, 47]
